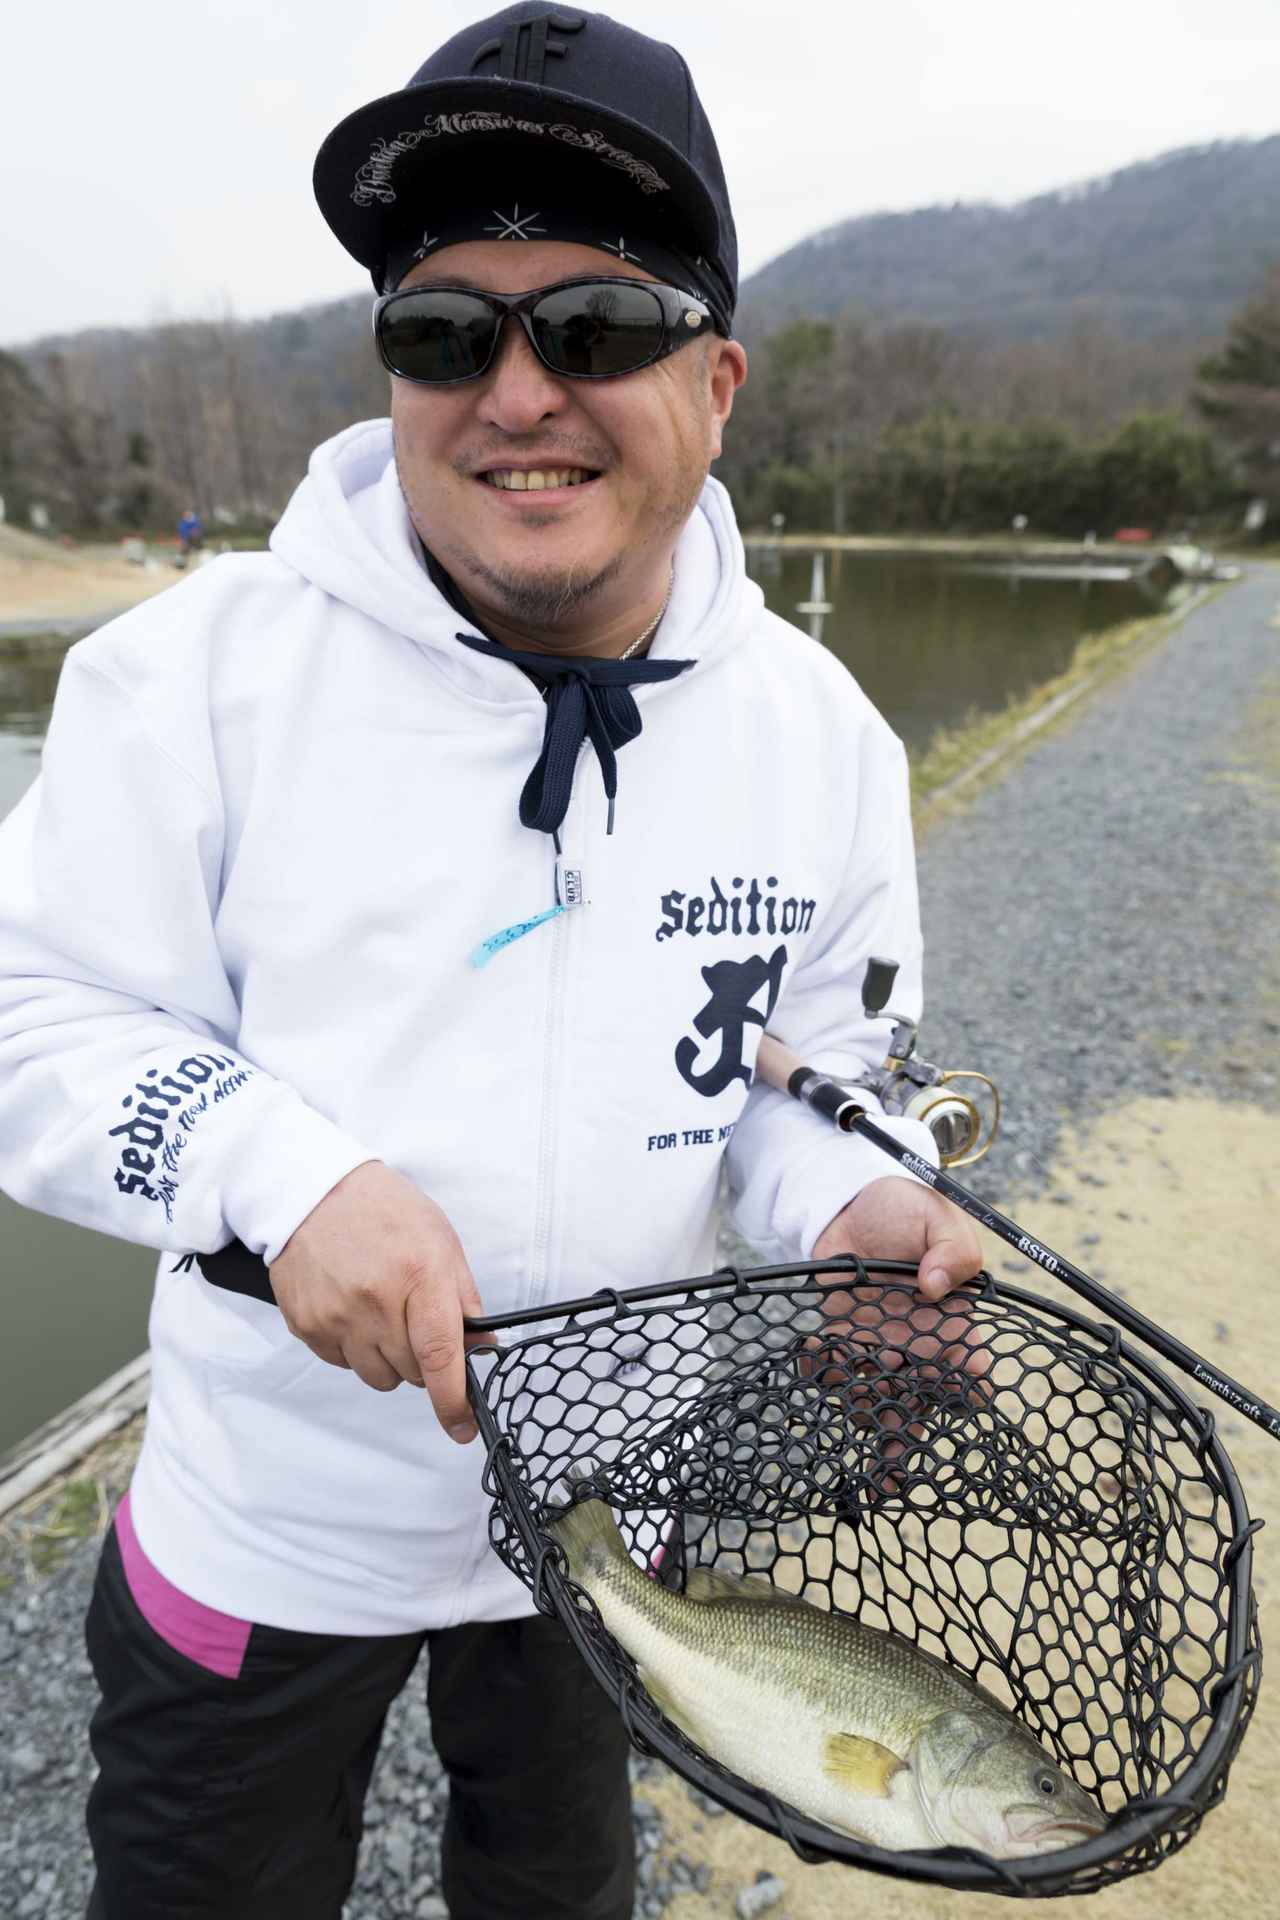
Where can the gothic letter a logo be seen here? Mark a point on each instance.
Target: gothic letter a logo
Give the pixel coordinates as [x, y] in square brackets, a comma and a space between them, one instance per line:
[729, 1012]
[523, 49]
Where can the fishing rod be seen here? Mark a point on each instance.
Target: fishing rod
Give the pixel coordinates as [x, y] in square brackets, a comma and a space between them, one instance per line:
[920, 1090]
[837, 1101]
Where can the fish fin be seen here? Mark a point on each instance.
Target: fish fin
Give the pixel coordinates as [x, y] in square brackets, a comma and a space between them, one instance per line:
[589, 1535]
[675, 1710]
[851, 1760]
[709, 1583]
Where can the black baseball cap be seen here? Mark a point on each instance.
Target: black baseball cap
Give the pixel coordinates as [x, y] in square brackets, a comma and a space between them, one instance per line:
[535, 97]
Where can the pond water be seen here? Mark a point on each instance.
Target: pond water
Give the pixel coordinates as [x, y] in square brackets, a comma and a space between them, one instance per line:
[933, 640]
[930, 641]
[75, 1303]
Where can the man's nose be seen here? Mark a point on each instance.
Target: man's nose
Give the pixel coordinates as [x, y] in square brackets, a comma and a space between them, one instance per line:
[518, 391]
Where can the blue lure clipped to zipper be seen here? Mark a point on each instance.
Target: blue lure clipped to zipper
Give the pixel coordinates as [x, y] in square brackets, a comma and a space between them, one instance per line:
[570, 892]
[481, 956]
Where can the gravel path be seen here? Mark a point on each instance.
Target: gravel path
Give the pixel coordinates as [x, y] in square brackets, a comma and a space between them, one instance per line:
[1102, 922]
[1099, 923]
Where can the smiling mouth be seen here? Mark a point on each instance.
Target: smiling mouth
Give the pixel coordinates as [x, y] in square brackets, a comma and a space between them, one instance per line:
[537, 479]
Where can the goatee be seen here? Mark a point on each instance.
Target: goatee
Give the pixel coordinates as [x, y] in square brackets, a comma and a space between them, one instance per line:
[542, 600]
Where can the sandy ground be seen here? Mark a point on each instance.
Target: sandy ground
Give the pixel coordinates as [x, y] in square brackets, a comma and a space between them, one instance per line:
[1191, 1185]
[41, 581]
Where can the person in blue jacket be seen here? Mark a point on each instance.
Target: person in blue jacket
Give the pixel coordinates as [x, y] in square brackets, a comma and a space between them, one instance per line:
[190, 533]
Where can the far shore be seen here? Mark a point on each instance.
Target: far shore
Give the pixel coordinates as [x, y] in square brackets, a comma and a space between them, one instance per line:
[51, 593]
[1025, 545]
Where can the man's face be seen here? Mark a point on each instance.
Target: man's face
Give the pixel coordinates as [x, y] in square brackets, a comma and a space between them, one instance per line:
[646, 439]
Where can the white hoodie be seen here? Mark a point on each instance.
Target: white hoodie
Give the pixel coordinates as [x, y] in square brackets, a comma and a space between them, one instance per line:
[277, 813]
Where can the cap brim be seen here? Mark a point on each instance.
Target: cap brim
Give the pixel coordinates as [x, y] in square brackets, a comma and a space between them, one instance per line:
[371, 172]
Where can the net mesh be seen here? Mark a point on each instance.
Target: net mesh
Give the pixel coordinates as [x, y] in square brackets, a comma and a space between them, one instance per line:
[1006, 1484]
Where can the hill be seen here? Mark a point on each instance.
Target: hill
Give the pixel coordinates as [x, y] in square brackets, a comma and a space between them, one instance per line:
[1083, 307]
[1166, 249]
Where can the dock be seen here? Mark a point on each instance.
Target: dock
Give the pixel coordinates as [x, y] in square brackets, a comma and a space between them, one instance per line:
[1162, 563]
[62, 1442]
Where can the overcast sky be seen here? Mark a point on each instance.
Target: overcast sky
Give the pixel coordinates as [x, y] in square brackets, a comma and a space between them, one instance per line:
[155, 159]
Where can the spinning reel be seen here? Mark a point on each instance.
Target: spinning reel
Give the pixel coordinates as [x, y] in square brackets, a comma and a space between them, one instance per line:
[963, 1123]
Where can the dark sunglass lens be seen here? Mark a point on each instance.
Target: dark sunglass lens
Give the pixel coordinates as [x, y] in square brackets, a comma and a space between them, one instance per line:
[598, 329]
[437, 335]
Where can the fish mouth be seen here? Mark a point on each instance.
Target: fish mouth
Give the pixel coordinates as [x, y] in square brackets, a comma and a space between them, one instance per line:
[1031, 1829]
[1051, 1836]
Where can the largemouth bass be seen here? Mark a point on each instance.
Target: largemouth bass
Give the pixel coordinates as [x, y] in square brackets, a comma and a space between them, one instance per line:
[856, 1727]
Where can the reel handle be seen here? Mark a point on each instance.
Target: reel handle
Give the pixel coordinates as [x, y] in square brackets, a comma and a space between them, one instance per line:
[877, 984]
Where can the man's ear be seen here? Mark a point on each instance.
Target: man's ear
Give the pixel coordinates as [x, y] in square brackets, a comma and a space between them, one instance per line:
[726, 371]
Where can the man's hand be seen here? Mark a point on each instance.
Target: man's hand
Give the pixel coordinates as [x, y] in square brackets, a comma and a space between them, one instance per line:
[897, 1219]
[375, 1279]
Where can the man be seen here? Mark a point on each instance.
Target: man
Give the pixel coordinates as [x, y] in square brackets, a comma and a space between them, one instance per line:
[322, 936]
[190, 534]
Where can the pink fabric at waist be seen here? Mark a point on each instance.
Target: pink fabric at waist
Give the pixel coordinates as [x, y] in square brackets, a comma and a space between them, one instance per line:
[212, 1639]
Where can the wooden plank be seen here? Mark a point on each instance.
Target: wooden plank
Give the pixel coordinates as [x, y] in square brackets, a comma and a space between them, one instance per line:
[55, 1447]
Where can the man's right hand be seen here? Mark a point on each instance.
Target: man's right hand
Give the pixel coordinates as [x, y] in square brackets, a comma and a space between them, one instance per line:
[375, 1279]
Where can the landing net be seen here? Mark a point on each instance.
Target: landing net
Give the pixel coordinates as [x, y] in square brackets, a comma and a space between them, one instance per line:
[1069, 1532]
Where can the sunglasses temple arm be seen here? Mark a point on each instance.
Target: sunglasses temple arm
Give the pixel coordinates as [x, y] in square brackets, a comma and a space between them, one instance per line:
[779, 1067]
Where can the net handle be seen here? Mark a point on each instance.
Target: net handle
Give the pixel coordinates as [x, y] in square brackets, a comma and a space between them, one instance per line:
[779, 1067]
[236, 1270]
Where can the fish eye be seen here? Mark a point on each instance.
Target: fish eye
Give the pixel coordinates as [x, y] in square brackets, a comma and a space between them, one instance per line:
[1046, 1783]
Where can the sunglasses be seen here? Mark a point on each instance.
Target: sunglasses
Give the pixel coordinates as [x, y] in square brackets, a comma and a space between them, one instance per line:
[585, 329]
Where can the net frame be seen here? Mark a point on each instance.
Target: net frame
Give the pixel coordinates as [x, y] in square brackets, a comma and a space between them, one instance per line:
[707, 1453]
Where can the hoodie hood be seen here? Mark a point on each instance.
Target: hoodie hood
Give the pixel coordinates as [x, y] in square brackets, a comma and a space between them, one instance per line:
[347, 531]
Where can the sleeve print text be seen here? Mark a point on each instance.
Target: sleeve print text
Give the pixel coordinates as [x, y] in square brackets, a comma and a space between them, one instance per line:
[163, 1120]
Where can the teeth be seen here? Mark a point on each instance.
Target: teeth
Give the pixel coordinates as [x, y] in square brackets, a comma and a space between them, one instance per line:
[516, 480]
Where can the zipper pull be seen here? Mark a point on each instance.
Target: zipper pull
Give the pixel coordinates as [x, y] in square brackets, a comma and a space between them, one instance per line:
[570, 892]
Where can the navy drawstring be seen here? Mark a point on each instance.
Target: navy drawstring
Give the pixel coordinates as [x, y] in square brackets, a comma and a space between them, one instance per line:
[586, 700]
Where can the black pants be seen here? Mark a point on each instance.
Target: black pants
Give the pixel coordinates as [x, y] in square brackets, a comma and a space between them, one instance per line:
[242, 1799]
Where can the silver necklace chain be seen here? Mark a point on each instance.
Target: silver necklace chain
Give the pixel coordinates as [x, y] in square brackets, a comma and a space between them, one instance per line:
[653, 626]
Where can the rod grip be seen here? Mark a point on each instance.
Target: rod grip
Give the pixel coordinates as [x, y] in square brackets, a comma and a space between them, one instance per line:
[781, 1068]
[776, 1064]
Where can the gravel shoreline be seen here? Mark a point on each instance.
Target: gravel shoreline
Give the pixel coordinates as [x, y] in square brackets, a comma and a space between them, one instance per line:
[1099, 923]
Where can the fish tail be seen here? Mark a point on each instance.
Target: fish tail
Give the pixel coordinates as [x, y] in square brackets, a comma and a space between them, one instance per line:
[589, 1535]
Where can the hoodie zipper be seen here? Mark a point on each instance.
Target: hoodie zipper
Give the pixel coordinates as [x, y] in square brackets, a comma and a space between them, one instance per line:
[561, 931]
[535, 1289]
[547, 1118]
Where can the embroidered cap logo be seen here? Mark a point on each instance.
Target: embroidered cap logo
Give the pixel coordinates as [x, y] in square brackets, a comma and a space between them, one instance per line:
[522, 51]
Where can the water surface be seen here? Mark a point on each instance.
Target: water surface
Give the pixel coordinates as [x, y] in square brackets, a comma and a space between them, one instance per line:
[74, 1302]
[932, 641]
